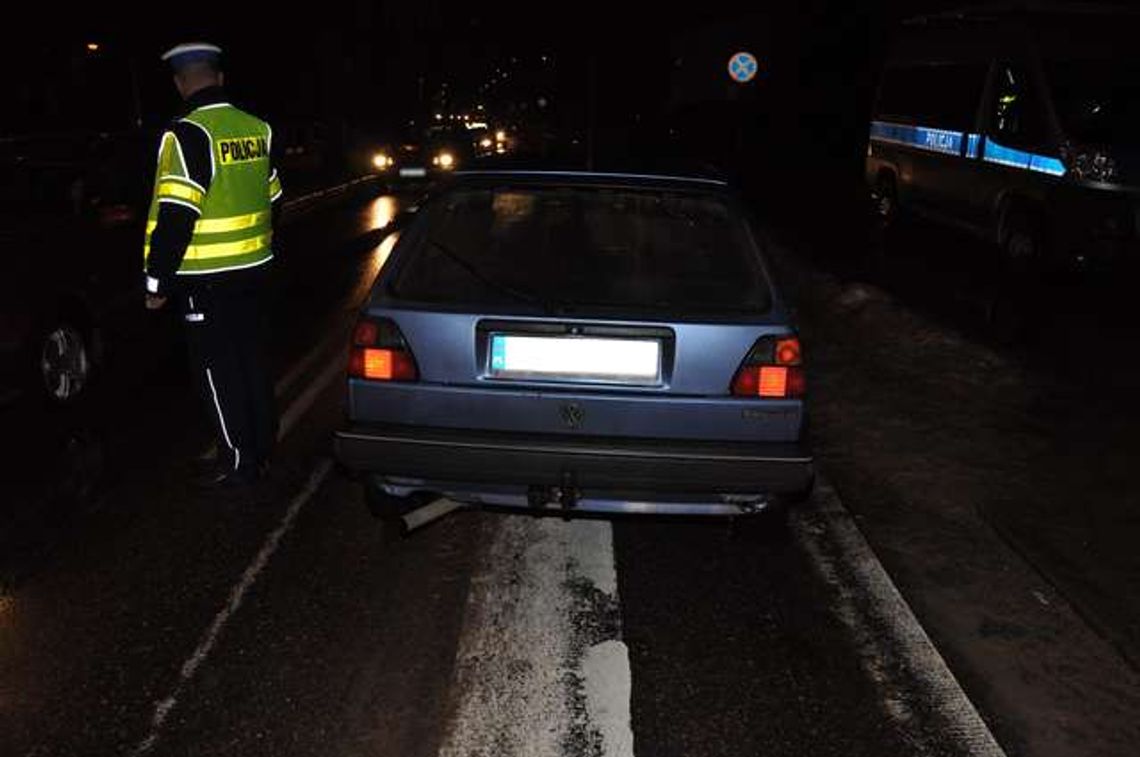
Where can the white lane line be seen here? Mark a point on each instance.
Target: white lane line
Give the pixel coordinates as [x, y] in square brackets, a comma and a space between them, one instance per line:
[164, 707]
[541, 670]
[289, 418]
[894, 649]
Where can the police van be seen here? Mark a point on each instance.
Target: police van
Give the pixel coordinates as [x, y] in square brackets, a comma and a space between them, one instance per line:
[1023, 128]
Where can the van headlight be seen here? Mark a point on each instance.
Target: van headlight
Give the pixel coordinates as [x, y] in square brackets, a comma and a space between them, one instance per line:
[1090, 164]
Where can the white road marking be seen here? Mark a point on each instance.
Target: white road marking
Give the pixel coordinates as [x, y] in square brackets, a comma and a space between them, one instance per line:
[163, 707]
[541, 670]
[894, 649]
[608, 689]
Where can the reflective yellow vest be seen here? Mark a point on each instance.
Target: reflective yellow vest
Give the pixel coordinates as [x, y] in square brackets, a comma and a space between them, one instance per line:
[235, 227]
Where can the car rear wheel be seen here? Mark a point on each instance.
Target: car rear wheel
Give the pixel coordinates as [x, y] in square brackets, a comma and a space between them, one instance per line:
[64, 361]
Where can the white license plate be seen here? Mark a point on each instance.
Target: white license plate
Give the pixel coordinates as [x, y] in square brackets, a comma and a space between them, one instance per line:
[413, 172]
[588, 359]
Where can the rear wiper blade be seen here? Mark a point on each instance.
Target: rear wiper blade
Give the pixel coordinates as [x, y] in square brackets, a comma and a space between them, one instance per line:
[507, 289]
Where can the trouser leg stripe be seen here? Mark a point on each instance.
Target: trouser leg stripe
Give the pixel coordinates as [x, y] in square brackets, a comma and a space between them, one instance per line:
[222, 419]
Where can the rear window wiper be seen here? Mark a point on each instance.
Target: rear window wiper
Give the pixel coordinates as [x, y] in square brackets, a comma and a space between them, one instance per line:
[518, 294]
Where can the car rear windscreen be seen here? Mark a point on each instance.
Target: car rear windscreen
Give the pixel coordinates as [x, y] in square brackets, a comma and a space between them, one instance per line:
[664, 253]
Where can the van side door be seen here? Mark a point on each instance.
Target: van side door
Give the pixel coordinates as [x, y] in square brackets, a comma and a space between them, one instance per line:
[1018, 161]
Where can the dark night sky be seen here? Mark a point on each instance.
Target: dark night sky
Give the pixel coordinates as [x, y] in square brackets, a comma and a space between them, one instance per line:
[374, 65]
[364, 60]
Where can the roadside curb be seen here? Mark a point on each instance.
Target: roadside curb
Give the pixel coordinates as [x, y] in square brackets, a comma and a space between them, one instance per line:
[894, 648]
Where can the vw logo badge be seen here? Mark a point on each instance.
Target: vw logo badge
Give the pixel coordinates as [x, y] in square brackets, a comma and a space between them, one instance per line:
[572, 414]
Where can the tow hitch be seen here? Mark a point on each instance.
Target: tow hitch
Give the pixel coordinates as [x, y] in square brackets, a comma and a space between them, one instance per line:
[566, 494]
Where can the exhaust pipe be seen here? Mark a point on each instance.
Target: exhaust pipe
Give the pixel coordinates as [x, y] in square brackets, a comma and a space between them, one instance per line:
[429, 513]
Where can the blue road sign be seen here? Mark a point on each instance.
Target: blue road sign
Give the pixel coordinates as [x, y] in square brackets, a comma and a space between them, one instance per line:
[742, 67]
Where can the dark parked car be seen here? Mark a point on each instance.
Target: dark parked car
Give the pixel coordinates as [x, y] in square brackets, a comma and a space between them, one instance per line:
[71, 225]
[586, 342]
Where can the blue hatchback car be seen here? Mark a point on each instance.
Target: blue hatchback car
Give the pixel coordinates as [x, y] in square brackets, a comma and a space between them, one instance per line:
[578, 342]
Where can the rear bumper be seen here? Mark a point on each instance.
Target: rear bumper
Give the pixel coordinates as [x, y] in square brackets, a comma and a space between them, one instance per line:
[595, 465]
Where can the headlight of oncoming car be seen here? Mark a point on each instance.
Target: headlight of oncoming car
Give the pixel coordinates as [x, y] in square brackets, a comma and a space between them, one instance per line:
[381, 161]
[444, 160]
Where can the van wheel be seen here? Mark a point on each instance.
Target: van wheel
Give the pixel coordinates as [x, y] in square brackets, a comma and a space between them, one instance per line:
[884, 200]
[1022, 242]
[883, 214]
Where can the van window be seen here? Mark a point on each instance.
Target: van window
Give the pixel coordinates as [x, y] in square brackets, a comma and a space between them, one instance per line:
[1017, 118]
[1098, 101]
[943, 95]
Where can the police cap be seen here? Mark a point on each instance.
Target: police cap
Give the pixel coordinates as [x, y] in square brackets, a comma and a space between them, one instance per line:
[188, 53]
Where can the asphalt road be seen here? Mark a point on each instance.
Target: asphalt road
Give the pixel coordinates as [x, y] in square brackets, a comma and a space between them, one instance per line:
[282, 621]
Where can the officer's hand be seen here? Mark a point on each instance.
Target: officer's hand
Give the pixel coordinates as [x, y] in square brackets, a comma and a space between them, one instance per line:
[154, 302]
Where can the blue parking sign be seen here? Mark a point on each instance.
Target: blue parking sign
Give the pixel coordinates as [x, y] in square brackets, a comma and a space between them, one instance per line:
[743, 67]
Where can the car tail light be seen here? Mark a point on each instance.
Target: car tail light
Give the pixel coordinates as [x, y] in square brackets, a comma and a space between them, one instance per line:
[379, 352]
[772, 370]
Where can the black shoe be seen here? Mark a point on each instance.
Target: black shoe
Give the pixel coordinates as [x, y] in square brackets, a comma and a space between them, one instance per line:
[219, 478]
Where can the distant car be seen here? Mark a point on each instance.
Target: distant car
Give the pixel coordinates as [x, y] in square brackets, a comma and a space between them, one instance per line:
[418, 158]
[1022, 128]
[579, 342]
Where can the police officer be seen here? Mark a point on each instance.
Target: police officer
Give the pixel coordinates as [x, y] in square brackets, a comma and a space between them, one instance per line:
[208, 248]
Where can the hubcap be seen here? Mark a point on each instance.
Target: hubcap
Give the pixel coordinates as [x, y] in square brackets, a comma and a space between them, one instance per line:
[63, 363]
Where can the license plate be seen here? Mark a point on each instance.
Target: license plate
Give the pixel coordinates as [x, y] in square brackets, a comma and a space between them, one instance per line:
[585, 359]
[413, 172]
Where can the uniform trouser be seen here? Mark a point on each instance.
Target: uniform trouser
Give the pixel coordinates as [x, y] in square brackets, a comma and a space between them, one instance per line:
[224, 325]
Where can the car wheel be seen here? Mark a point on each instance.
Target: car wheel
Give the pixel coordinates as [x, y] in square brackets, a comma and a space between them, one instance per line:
[64, 362]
